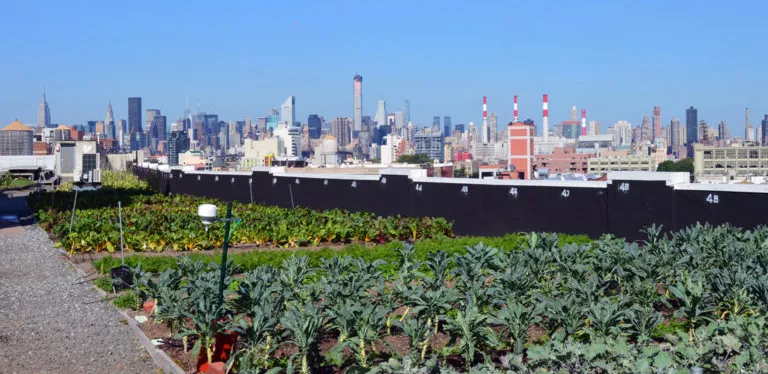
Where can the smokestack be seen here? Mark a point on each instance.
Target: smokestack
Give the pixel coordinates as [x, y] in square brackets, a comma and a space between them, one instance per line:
[583, 122]
[515, 107]
[545, 120]
[485, 138]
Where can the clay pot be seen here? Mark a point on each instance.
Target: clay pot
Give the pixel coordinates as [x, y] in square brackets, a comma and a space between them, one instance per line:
[222, 350]
[148, 306]
[217, 368]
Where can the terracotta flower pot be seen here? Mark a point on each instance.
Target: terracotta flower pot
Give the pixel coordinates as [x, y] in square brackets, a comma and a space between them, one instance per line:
[222, 350]
[217, 368]
[148, 306]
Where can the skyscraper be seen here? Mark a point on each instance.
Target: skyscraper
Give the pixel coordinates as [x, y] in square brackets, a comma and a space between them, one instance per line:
[341, 130]
[134, 122]
[43, 114]
[622, 133]
[492, 127]
[380, 119]
[594, 127]
[399, 119]
[407, 112]
[288, 111]
[109, 122]
[357, 93]
[691, 125]
[674, 133]
[764, 129]
[436, 121]
[646, 130]
[656, 123]
[151, 126]
[574, 114]
[447, 128]
[722, 131]
[315, 125]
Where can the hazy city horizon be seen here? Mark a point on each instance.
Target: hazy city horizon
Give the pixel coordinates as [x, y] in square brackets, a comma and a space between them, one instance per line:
[595, 56]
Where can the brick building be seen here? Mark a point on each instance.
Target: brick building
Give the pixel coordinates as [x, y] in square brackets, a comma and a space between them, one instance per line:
[564, 160]
[520, 156]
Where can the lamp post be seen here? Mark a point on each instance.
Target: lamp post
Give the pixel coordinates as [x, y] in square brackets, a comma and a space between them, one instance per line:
[208, 214]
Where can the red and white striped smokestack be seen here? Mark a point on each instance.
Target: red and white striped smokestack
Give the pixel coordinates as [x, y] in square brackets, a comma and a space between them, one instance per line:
[485, 108]
[545, 120]
[515, 107]
[484, 136]
[583, 122]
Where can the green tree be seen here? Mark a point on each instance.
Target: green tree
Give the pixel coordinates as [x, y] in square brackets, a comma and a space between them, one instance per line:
[460, 173]
[414, 159]
[685, 164]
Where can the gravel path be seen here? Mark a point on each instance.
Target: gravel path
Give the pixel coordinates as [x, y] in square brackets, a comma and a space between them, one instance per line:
[50, 322]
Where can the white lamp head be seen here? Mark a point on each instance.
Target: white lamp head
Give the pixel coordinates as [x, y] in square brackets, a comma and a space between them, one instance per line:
[208, 214]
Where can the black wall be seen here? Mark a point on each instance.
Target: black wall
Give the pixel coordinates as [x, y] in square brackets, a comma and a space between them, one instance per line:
[622, 208]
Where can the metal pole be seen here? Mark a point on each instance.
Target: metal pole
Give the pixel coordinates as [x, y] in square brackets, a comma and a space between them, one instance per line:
[120, 213]
[72, 219]
[224, 259]
[291, 191]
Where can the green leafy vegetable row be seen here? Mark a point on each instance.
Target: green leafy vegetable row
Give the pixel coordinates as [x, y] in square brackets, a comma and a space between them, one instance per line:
[697, 298]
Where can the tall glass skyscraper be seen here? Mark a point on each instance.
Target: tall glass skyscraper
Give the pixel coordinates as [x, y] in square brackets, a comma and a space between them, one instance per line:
[691, 125]
[134, 122]
[447, 126]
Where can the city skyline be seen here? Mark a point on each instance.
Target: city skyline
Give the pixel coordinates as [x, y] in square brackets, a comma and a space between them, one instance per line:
[613, 78]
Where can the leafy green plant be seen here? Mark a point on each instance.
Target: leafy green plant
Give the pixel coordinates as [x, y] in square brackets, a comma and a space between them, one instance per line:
[303, 326]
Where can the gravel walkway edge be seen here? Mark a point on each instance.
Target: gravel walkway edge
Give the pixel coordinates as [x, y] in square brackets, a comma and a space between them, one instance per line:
[160, 358]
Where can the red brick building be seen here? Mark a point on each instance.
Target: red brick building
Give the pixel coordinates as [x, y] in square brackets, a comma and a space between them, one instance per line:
[564, 160]
[520, 142]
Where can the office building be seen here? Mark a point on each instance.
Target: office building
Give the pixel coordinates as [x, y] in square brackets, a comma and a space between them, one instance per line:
[134, 123]
[291, 137]
[340, 129]
[764, 129]
[109, 122]
[399, 120]
[261, 152]
[622, 133]
[357, 96]
[436, 122]
[646, 130]
[380, 118]
[447, 128]
[150, 118]
[605, 164]
[407, 112]
[657, 133]
[722, 131]
[691, 125]
[460, 128]
[492, 122]
[730, 161]
[288, 111]
[391, 149]
[315, 124]
[178, 143]
[43, 114]
[675, 140]
[594, 128]
[16, 140]
[430, 145]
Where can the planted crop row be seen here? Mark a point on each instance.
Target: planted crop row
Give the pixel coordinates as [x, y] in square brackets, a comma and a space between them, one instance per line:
[695, 299]
[154, 222]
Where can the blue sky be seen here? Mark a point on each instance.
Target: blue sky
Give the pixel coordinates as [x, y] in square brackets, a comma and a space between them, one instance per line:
[238, 59]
